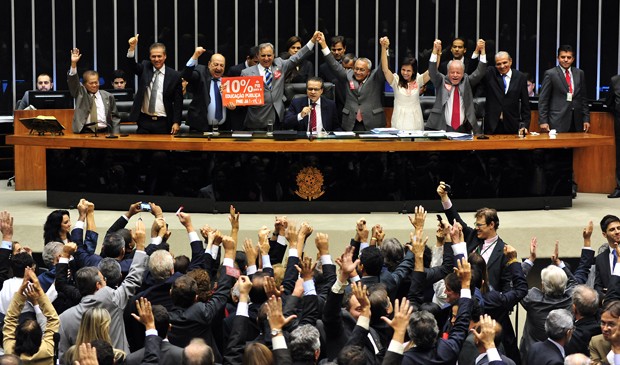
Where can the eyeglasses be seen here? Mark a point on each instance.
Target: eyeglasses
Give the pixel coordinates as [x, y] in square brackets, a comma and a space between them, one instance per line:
[478, 225]
[314, 89]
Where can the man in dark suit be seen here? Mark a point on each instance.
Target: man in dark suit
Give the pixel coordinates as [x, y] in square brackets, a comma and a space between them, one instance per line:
[272, 70]
[507, 107]
[169, 354]
[91, 104]
[454, 102]
[559, 328]
[563, 101]
[587, 323]
[613, 103]
[250, 60]
[610, 226]
[44, 83]
[338, 47]
[458, 51]
[206, 109]
[314, 113]
[158, 102]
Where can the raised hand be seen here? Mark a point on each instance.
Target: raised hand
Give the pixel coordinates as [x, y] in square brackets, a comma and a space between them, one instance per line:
[346, 263]
[245, 285]
[198, 52]
[87, 355]
[400, 321]
[6, 226]
[463, 271]
[437, 47]
[271, 289]
[456, 233]
[587, 234]
[274, 314]
[138, 235]
[306, 268]
[361, 232]
[233, 218]
[75, 56]
[251, 251]
[145, 313]
[555, 257]
[533, 247]
[322, 243]
[486, 336]
[133, 42]
[361, 294]
[377, 235]
[156, 210]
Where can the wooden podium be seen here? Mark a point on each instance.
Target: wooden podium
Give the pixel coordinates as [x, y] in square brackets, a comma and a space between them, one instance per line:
[30, 170]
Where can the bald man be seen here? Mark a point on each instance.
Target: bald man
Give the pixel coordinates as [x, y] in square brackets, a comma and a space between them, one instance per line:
[206, 108]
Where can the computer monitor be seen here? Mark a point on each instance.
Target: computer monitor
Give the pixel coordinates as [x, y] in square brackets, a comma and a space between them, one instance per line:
[121, 94]
[51, 99]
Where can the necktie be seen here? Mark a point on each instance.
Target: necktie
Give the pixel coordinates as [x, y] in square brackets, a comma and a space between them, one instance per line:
[456, 109]
[570, 86]
[154, 90]
[268, 78]
[93, 110]
[218, 101]
[505, 85]
[615, 254]
[313, 118]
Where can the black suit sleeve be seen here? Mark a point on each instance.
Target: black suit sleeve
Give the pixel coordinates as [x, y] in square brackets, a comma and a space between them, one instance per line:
[120, 223]
[233, 352]
[494, 300]
[434, 274]
[276, 252]
[310, 310]
[613, 292]
[526, 115]
[585, 263]
[5, 256]
[63, 285]
[290, 275]
[152, 350]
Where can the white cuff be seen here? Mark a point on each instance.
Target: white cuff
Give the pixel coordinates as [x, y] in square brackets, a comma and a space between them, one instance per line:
[228, 262]
[79, 224]
[325, 51]
[193, 236]
[251, 270]
[355, 279]
[465, 293]
[326, 260]
[460, 249]
[529, 262]
[266, 261]
[126, 217]
[483, 58]
[278, 343]
[310, 45]
[493, 355]
[309, 288]
[7, 245]
[433, 58]
[63, 260]
[338, 287]
[396, 347]
[191, 62]
[152, 332]
[242, 309]
[363, 322]
[299, 117]
[214, 251]
[282, 240]
[616, 271]
[587, 248]
[156, 240]
[561, 265]
[447, 205]
[37, 309]
[131, 54]
[363, 246]
[292, 252]
[72, 71]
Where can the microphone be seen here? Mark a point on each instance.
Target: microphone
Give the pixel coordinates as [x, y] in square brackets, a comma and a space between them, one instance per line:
[90, 125]
[111, 131]
[56, 338]
[308, 130]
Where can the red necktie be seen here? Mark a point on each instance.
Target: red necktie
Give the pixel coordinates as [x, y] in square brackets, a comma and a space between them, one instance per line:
[313, 118]
[456, 109]
[570, 87]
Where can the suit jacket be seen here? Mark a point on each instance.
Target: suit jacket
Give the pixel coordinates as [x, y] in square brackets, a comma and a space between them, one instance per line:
[172, 92]
[83, 104]
[199, 79]
[602, 273]
[328, 114]
[585, 329]
[366, 97]
[554, 109]
[445, 351]
[545, 353]
[514, 105]
[24, 102]
[112, 300]
[340, 88]
[169, 354]
[437, 118]
[235, 70]
[258, 115]
[599, 348]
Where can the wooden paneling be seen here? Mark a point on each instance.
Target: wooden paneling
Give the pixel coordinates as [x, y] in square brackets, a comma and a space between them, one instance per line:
[595, 167]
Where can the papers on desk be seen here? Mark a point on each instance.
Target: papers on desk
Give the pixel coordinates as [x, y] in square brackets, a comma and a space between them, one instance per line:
[392, 131]
[459, 136]
[377, 136]
[344, 134]
[241, 134]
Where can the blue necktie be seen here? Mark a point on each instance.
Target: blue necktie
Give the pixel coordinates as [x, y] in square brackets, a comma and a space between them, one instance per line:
[505, 86]
[218, 101]
[615, 254]
[268, 78]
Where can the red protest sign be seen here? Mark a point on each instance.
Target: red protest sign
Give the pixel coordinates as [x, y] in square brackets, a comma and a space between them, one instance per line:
[243, 90]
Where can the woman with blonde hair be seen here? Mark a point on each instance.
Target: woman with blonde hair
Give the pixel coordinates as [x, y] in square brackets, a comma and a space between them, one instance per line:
[95, 325]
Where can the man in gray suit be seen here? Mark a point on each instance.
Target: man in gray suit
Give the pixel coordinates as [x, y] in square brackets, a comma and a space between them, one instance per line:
[95, 293]
[363, 109]
[563, 101]
[273, 71]
[91, 104]
[454, 103]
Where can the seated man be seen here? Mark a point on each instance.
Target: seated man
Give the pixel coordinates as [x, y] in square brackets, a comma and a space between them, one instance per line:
[314, 113]
[44, 83]
[119, 80]
[95, 110]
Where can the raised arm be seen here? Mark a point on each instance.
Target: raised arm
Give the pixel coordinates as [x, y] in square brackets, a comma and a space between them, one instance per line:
[385, 45]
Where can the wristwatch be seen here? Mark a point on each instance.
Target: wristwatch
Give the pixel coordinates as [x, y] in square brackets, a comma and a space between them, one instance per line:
[275, 332]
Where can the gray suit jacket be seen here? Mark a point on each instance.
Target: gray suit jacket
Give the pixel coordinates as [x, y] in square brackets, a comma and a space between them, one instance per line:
[169, 355]
[367, 98]
[83, 103]
[437, 118]
[114, 300]
[258, 115]
[554, 109]
[24, 102]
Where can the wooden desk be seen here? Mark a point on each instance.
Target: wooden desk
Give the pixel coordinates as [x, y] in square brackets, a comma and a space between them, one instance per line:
[594, 156]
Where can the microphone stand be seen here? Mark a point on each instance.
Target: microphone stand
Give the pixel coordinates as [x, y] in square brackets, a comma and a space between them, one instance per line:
[111, 131]
[482, 136]
[90, 125]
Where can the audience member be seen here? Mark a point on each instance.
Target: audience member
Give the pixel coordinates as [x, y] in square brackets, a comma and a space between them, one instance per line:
[44, 83]
[119, 80]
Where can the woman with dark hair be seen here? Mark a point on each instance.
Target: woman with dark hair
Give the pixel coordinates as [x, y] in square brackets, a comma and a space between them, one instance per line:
[304, 69]
[57, 227]
[407, 113]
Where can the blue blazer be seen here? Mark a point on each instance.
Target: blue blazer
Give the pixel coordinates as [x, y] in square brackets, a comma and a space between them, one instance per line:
[329, 115]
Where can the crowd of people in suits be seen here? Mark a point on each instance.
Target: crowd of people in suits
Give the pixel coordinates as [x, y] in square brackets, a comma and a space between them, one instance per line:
[379, 301]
